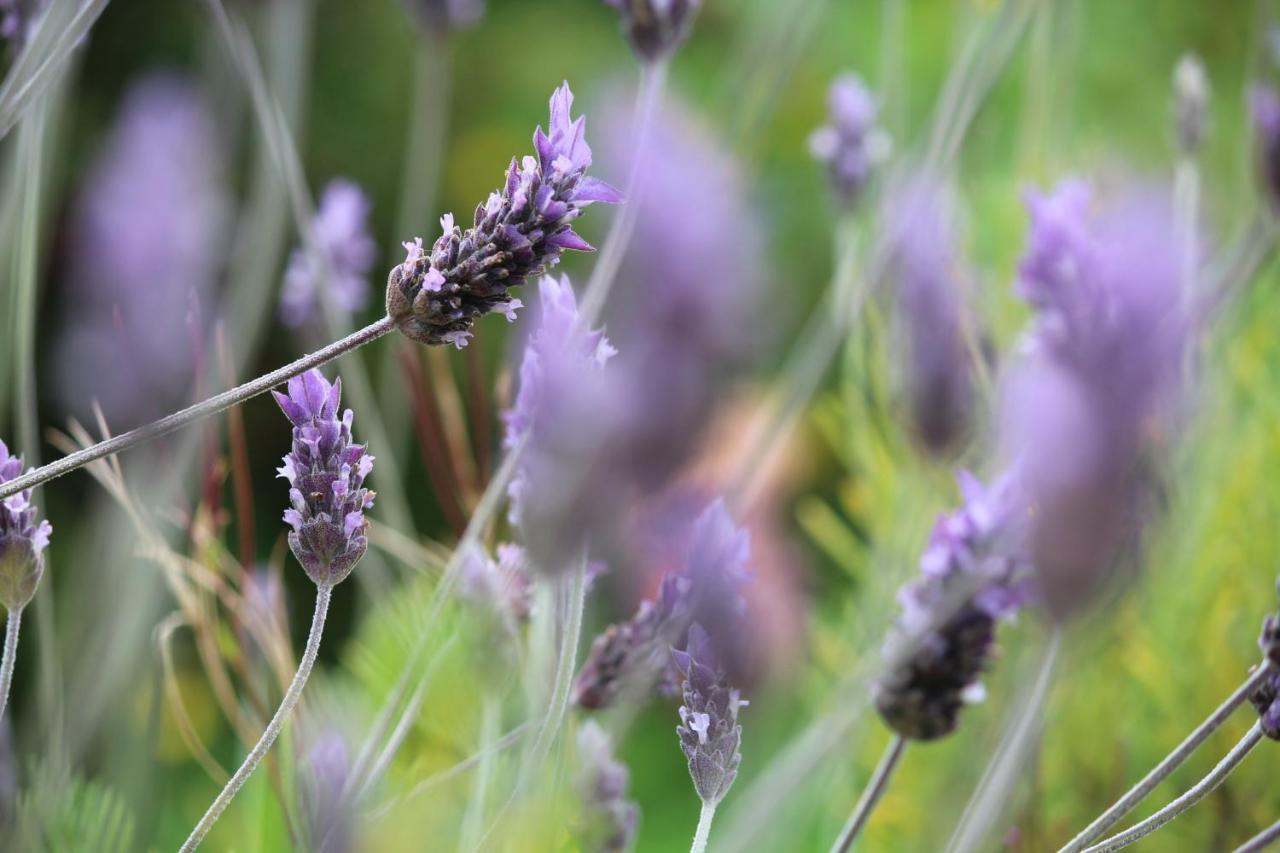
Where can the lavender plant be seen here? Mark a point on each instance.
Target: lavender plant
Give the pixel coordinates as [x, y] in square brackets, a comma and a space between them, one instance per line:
[341, 230]
[852, 144]
[603, 781]
[22, 545]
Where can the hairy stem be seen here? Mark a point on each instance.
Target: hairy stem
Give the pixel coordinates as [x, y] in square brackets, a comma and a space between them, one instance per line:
[1262, 840]
[259, 751]
[703, 831]
[1171, 762]
[192, 414]
[10, 656]
[1202, 789]
[871, 796]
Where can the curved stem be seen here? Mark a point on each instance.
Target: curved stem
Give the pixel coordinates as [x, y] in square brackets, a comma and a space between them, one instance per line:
[1171, 762]
[1262, 840]
[287, 704]
[10, 657]
[871, 796]
[192, 414]
[703, 831]
[1202, 789]
[566, 664]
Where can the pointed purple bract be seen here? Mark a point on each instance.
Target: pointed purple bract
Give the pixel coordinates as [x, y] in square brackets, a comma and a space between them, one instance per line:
[341, 231]
[22, 540]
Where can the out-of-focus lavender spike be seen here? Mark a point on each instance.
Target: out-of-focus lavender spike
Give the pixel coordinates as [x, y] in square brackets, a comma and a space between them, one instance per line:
[436, 296]
[326, 471]
[1098, 381]
[1266, 699]
[655, 28]
[977, 551]
[341, 231]
[710, 735]
[327, 813]
[1190, 102]
[919, 245]
[23, 540]
[602, 781]
[502, 585]
[17, 17]
[444, 16]
[850, 144]
[147, 242]
[1264, 107]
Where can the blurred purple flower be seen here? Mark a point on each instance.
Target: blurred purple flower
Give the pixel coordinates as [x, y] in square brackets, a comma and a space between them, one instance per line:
[502, 585]
[918, 244]
[147, 244]
[17, 18]
[973, 573]
[22, 540]
[710, 736]
[1266, 699]
[1264, 105]
[603, 782]
[435, 297]
[444, 16]
[327, 814]
[341, 231]
[1098, 380]
[851, 145]
[656, 27]
[326, 473]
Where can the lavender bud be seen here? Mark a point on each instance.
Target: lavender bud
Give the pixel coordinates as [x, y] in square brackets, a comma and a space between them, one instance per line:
[709, 732]
[341, 231]
[1264, 106]
[656, 27]
[444, 16]
[435, 297]
[974, 553]
[1191, 102]
[326, 473]
[603, 783]
[851, 145]
[22, 540]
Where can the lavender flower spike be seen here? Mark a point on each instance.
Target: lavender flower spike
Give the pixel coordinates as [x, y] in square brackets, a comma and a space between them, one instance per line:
[710, 735]
[326, 473]
[603, 781]
[655, 27]
[341, 231]
[435, 297]
[443, 16]
[851, 145]
[22, 540]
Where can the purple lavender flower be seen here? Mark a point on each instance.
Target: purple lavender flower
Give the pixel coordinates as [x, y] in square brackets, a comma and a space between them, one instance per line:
[710, 735]
[918, 243]
[341, 231]
[22, 540]
[1098, 381]
[17, 17]
[656, 27]
[435, 297]
[443, 16]
[603, 781]
[1264, 104]
[502, 585]
[326, 473]
[851, 145]
[974, 560]
[325, 772]
[1191, 102]
[147, 241]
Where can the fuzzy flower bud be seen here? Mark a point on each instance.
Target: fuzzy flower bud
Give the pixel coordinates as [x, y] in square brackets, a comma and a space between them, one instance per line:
[603, 782]
[326, 473]
[655, 27]
[444, 16]
[22, 540]
[851, 145]
[1191, 102]
[341, 231]
[973, 554]
[435, 297]
[709, 732]
[1264, 106]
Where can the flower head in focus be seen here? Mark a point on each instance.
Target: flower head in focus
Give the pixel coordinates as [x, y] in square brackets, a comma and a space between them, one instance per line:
[444, 16]
[341, 231]
[326, 471]
[851, 144]
[710, 736]
[603, 781]
[436, 296]
[656, 27]
[22, 540]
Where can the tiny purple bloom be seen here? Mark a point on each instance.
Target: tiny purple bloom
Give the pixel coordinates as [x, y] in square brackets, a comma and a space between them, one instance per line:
[341, 231]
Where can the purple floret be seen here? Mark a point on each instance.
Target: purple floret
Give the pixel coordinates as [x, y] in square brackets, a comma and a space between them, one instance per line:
[23, 540]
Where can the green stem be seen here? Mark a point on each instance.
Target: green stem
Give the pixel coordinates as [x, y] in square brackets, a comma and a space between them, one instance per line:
[871, 796]
[703, 832]
[10, 656]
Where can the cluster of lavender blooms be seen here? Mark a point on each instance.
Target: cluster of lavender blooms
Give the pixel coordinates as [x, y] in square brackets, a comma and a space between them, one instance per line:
[1264, 104]
[326, 471]
[603, 780]
[444, 16]
[435, 297]
[920, 254]
[341, 231]
[705, 588]
[710, 735]
[655, 27]
[22, 540]
[1098, 382]
[148, 234]
[1266, 699]
[973, 575]
[851, 144]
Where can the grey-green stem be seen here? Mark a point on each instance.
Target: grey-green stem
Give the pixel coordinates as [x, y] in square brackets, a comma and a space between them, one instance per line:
[1171, 762]
[10, 657]
[871, 796]
[1262, 840]
[703, 832]
[260, 749]
[198, 412]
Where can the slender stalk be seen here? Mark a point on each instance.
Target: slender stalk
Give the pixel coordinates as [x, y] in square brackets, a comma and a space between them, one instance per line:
[1262, 840]
[871, 796]
[259, 751]
[192, 414]
[1202, 789]
[10, 656]
[1171, 762]
[703, 832]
